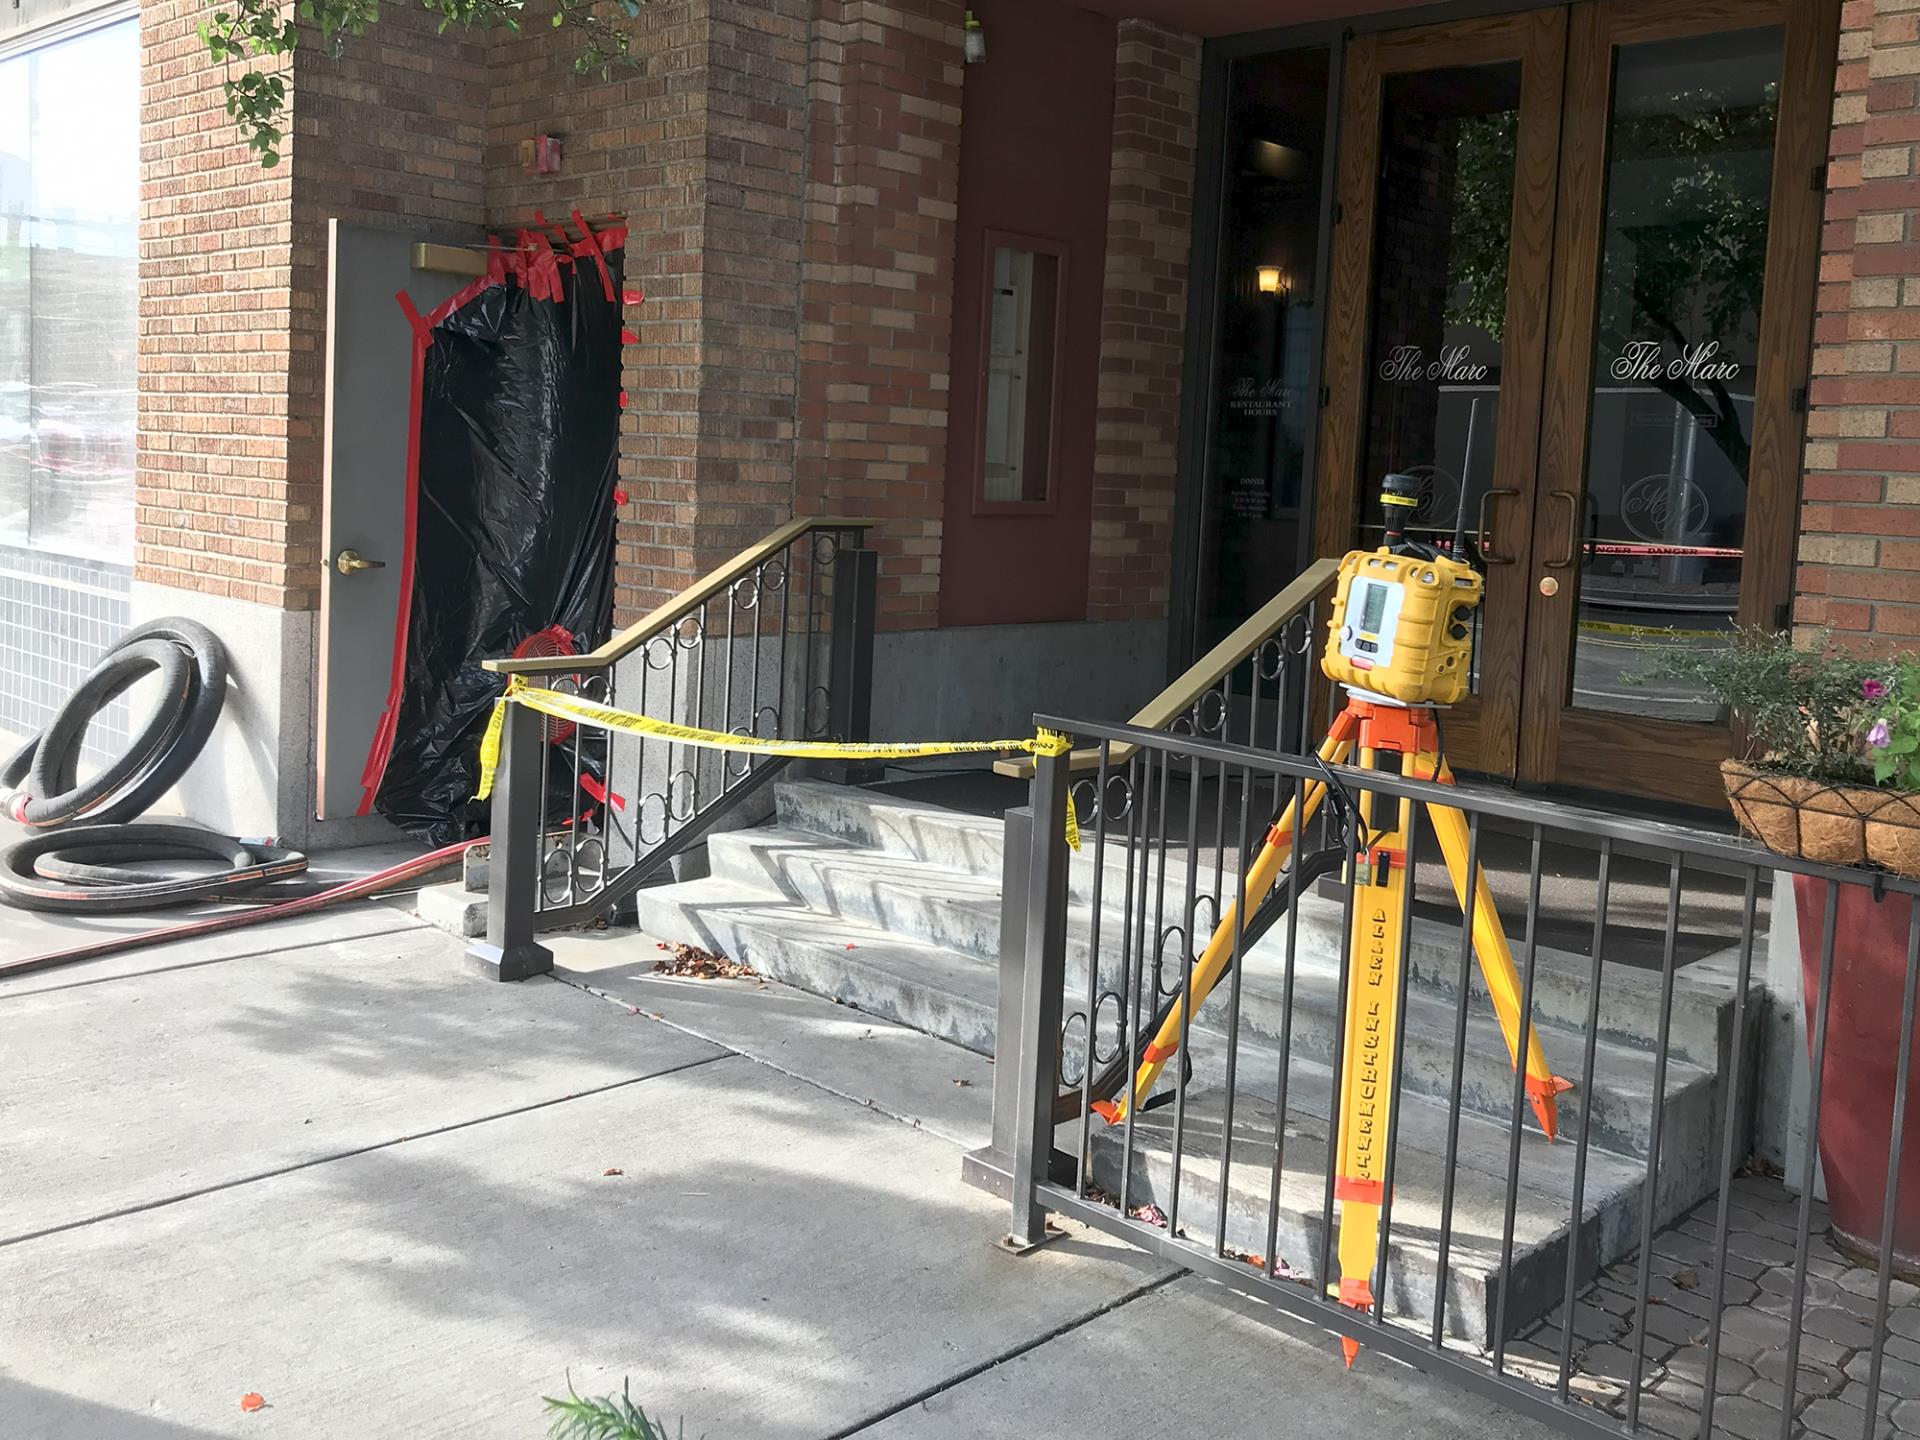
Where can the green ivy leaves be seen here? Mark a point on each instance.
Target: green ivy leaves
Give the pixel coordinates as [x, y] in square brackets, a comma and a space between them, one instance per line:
[255, 31]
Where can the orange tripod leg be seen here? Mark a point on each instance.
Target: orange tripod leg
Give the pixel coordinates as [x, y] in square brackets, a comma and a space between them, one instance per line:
[1213, 961]
[1491, 949]
[1367, 1080]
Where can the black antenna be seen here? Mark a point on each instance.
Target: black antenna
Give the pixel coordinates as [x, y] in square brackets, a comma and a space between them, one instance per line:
[1466, 475]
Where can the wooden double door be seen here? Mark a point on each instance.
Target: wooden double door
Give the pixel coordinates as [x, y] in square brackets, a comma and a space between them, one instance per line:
[1571, 288]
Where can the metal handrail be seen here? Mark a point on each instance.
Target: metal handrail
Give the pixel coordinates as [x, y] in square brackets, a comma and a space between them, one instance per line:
[618, 646]
[585, 815]
[1582, 825]
[1208, 671]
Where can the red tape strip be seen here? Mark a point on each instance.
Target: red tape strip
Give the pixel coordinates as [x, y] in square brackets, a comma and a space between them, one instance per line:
[599, 792]
[588, 245]
[381, 750]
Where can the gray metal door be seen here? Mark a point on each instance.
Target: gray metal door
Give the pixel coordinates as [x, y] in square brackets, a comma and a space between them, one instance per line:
[369, 424]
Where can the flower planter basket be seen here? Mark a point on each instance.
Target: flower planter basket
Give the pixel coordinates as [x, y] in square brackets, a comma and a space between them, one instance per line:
[1834, 824]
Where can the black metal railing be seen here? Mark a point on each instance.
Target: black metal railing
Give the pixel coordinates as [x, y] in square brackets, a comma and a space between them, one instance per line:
[1235, 691]
[1649, 1270]
[777, 643]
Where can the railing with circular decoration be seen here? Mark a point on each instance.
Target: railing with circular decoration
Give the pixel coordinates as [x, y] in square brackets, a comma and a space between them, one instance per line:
[776, 643]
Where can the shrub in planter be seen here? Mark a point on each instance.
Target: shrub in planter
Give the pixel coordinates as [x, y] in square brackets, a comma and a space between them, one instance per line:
[1831, 772]
[1804, 783]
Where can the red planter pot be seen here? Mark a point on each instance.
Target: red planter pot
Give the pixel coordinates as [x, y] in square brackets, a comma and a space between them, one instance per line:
[1860, 1069]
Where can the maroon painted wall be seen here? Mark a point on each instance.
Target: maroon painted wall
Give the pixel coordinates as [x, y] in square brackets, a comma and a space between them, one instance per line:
[1036, 142]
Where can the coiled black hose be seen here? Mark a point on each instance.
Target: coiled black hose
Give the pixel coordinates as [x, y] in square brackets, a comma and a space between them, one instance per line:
[85, 834]
[43, 775]
[52, 871]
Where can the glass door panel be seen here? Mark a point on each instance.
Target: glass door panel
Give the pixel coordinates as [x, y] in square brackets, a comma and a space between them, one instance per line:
[1437, 328]
[1685, 265]
[1270, 292]
[1683, 257]
[1441, 248]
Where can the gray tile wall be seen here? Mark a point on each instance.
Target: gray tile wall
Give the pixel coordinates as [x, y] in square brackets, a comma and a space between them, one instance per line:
[58, 616]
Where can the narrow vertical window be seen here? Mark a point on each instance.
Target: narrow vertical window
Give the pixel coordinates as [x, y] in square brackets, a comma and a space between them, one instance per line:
[1021, 374]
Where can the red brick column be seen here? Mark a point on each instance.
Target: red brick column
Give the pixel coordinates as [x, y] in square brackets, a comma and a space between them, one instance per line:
[1142, 340]
[233, 283]
[701, 150]
[876, 318]
[1859, 557]
[212, 512]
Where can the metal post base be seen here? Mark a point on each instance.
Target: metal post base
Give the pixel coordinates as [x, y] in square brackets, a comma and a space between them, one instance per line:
[517, 962]
[1014, 1245]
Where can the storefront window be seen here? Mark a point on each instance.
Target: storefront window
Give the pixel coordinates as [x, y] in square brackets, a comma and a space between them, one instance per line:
[1023, 320]
[69, 191]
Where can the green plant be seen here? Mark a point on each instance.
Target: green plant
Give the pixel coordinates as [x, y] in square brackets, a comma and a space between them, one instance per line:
[1893, 730]
[259, 30]
[1801, 710]
[606, 1417]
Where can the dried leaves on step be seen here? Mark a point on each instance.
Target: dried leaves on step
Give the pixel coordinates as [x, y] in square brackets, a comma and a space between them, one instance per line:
[692, 963]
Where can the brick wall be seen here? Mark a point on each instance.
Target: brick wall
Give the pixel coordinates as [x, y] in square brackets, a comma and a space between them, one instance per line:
[212, 511]
[1859, 556]
[233, 282]
[699, 149]
[1149, 217]
[788, 171]
[876, 318]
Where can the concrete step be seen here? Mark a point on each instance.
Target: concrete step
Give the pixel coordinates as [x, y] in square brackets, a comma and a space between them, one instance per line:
[901, 830]
[888, 835]
[1535, 1276]
[918, 985]
[959, 911]
[950, 839]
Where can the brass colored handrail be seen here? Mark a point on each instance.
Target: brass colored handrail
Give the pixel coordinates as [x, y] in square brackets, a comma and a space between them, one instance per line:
[1206, 672]
[679, 607]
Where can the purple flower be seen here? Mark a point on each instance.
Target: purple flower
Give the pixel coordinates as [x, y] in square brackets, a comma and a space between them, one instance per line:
[1879, 737]
[1874, 689]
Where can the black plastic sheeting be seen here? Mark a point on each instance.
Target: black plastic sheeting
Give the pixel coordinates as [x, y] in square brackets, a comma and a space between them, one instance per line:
[519, 436]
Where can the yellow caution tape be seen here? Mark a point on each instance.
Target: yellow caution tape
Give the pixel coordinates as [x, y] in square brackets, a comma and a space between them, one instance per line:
[608, 717]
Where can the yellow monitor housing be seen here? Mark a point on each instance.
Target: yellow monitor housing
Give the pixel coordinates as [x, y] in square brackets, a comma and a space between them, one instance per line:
[1400, 627]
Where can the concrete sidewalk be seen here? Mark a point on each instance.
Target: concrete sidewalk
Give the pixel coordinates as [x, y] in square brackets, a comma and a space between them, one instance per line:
[321, 1162]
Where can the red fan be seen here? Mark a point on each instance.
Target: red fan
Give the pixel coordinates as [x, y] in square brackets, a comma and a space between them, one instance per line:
[544, 645]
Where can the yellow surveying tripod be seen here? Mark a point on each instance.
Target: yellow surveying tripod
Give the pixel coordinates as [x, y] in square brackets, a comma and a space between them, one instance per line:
[1399, 644]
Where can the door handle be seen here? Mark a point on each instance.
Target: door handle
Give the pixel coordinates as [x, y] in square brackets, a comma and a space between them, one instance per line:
[349, 561]
[1573, 528]
[1480, 539]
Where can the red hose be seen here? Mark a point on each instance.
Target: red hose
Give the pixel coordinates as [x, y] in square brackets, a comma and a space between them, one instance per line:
[352, 890]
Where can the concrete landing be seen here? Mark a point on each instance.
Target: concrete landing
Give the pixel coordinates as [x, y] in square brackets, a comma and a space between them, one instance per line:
[317, 1050]
[1256, 1375]
[784, 1247]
